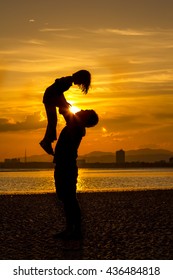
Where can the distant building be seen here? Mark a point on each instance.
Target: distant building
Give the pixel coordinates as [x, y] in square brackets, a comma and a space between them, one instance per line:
[12, 160]
[120, 156]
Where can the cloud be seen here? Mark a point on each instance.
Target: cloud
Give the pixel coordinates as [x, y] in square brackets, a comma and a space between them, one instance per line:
[34, 42]
[124, 32]
[136, 32]
[53, 29]
[31, 122]
[164, 116]
[31, 20]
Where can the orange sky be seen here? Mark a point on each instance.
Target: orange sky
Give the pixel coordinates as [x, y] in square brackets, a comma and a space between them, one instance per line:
[126, 45]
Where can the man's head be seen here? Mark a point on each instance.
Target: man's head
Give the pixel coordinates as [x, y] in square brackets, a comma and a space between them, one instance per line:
[87, 118]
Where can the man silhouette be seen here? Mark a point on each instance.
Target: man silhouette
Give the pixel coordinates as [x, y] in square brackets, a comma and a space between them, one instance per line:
[66, 170]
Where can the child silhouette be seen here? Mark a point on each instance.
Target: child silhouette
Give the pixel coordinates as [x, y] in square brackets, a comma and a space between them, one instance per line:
[54, 97]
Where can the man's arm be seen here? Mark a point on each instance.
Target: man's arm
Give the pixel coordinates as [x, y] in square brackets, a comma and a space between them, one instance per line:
[68, 116]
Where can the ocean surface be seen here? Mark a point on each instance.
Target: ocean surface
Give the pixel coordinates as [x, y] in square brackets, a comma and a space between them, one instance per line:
[89, 180]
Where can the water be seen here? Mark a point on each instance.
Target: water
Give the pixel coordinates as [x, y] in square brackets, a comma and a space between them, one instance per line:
[88, 180]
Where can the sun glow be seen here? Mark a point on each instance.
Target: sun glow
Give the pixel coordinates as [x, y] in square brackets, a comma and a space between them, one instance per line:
[42, 117]
[104, 129]
[74, 109]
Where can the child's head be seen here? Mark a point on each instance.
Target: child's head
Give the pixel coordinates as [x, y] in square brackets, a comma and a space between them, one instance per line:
[83, 79]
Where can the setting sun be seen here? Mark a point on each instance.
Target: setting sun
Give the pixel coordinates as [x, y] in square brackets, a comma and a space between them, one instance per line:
[74, 109]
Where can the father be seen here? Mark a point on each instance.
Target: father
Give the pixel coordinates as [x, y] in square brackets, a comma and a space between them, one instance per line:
[66, 170]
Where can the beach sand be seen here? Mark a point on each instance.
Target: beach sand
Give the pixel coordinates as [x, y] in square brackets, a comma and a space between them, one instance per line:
[117, 225]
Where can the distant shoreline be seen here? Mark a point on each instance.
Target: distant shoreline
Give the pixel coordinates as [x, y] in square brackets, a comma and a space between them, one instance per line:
[49, 165]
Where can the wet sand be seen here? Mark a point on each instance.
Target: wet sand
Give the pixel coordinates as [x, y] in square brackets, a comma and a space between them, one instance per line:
[116, 225]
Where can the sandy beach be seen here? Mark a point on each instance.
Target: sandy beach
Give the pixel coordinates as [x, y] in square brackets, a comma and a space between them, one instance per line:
[116, 225]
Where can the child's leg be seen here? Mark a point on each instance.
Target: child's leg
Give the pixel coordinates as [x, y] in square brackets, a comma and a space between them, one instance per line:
[50, 134]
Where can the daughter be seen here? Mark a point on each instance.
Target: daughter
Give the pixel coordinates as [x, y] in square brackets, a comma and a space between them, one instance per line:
[54, 97]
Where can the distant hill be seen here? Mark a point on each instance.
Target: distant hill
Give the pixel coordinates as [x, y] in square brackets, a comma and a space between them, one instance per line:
[148, 155]
[39, 158]
[98, 156]
[142, 155]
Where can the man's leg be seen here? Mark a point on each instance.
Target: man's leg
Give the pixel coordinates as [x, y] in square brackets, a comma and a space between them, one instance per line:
[73, 221]
[66, 192]
[73, 217]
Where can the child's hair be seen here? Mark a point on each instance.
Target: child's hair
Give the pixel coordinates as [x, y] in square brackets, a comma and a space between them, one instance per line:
[83, 78]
